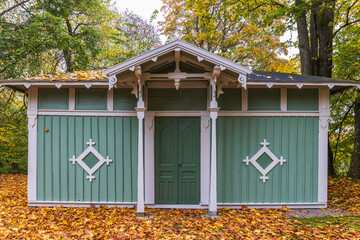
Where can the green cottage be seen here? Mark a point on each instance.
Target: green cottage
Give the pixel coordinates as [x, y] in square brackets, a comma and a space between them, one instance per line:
[178, 127]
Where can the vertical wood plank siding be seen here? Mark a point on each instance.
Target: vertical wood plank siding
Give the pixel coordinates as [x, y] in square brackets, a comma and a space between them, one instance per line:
[294, 138]
[59, 180]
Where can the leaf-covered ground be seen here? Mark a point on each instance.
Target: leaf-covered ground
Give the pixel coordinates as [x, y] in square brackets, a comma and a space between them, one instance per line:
[18, 221]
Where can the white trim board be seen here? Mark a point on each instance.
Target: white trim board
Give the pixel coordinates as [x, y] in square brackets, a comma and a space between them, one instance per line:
[87, 113]
[184, 46]
[80, 204]
[179, 206]
[267, 113]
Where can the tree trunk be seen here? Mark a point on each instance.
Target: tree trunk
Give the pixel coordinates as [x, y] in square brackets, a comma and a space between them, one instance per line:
[331, 168]
[354, 170]
[304, 44]
[67, 56]
[314, 42]
[325, 21]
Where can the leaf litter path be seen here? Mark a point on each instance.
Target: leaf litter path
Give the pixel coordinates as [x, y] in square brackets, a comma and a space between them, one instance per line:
[18, 221]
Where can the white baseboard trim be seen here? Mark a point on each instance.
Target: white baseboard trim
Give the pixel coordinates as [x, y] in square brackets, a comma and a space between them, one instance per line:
[272, 205]
[176, 206]
[80, 204]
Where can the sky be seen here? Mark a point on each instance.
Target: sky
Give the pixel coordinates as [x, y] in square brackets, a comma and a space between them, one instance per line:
[145, 8]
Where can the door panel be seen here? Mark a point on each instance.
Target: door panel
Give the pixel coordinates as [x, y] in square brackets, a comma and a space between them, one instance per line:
[177, 160]
[166, 152]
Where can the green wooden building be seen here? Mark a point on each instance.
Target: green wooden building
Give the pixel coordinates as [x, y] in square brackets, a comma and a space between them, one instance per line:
[178, 127]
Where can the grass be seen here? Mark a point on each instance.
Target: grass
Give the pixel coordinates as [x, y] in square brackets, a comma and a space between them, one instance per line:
[348, 221]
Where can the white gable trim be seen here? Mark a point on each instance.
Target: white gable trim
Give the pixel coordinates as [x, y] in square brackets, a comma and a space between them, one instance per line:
[183, 46]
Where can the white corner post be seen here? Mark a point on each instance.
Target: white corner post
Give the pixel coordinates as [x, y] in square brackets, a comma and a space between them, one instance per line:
[140, 109]
[324, 114]
[32, 144]
[213, 109]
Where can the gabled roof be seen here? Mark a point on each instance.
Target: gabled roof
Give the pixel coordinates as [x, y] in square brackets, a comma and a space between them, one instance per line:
[183, 46]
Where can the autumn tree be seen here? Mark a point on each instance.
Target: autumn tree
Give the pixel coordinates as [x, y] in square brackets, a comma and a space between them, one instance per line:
[242, 31]
[320, 23]
[46, 36]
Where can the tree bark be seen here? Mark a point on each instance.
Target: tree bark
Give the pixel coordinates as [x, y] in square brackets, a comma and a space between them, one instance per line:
[326, 21]
[68, 62]
[304, 43]
[354, 170]
[331, 168]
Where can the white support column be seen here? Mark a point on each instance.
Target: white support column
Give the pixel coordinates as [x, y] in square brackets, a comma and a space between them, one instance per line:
[213, 173]
[213, 109]
[149, 158]
[140, 173]
[283, 99]
[140, 109]
[110, 100]
[71, 99]
[244, 99]
[32, 144]
[324, 114]
[205, 159]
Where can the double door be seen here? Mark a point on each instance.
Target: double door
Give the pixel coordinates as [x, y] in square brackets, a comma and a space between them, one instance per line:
[177, 160]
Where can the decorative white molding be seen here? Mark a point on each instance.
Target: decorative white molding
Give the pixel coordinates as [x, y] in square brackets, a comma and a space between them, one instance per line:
[299, 85]
[27, 85]
[269, 85]
[177, 83]
[267, 151]
[242, 80]
[58, 85]
[87, 151]
[200, 58]
[132, 68]
[222, 68]
[88, 85]
[154, 59]
[112, 81]
[331, 85]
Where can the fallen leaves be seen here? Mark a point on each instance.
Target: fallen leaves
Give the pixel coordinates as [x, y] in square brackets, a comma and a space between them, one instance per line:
[90, 75]
[18, 221]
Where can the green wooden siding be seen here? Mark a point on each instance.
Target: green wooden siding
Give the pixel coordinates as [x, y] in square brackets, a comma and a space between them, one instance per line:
[177, 160]
[264, 99]
[302, 99]
[182, 99]
[124, 99]
[53, 98]
[59, 180]
[294, 138]
[91, 99]
[230, 99]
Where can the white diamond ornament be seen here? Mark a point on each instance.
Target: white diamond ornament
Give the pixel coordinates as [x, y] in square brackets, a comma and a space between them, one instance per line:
[82, 156]
[264, 150]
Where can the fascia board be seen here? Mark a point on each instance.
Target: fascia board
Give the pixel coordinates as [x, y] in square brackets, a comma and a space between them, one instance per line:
[191, 49]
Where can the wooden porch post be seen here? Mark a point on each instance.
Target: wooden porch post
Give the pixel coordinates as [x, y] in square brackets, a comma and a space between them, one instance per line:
[213, 109]
[140, 109]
